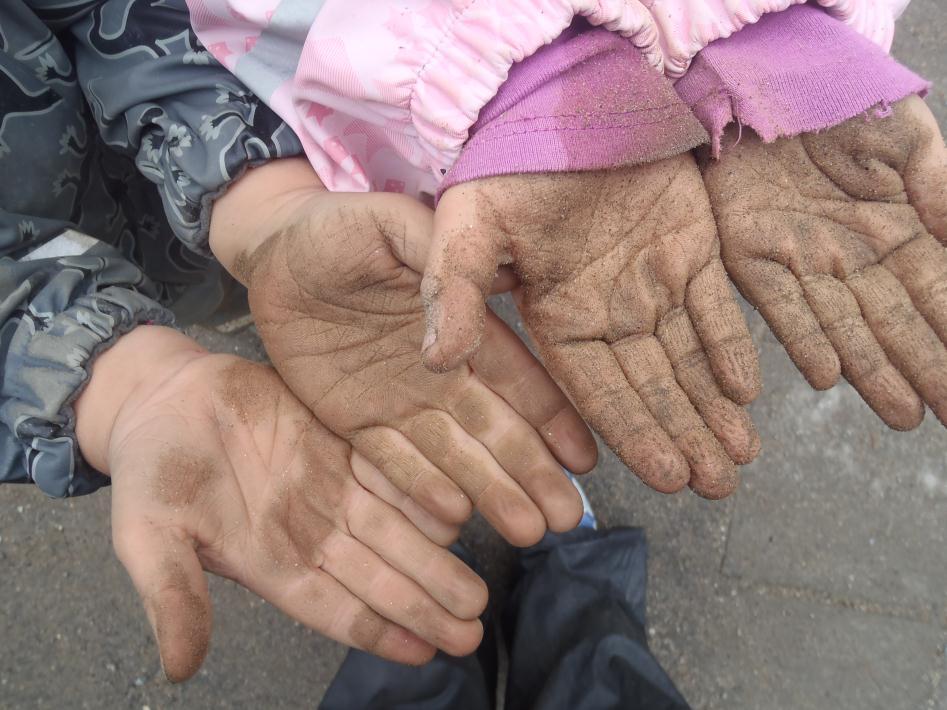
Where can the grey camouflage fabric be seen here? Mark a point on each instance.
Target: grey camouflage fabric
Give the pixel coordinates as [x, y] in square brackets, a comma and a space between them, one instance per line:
[117, 132]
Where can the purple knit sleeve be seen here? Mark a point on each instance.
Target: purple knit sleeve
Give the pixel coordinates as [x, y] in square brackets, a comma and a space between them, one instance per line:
[792, 72]
[588, 101]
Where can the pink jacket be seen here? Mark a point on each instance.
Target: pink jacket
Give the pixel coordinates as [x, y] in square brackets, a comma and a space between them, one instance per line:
[383, 92]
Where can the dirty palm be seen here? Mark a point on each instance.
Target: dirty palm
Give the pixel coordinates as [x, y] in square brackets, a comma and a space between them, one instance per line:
[341, 316]
[251, 487]
[838, 238]
[625, 295]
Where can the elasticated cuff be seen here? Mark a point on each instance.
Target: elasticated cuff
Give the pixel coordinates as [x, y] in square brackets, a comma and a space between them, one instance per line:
[47, 363]
[482, 51]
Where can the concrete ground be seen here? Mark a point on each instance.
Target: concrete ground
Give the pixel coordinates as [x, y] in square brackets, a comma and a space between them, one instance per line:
[819, 586]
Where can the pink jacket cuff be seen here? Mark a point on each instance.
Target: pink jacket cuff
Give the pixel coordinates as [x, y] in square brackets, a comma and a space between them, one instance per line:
[793, 72]
[383, 94]
[589, 101]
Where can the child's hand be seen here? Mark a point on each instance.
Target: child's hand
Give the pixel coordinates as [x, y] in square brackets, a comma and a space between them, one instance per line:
[830, 236]
[216, 465]
[342, 320]
[625, 295]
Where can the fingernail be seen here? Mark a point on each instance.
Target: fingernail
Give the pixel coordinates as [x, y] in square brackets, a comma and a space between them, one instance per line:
[429, 339]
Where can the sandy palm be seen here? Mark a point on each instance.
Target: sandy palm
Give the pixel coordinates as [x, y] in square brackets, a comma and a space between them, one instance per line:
[341, 317]
[624, 293]
[222, 469]
[834, 238]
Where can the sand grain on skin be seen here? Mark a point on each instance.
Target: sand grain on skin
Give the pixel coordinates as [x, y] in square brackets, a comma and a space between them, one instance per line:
[182, 623]
[827, 234]
[183, 478]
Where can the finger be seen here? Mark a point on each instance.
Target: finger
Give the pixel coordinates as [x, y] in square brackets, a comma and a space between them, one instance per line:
[317, 600]
[723, 331]
[471, 466]
[459, 274]
[409, 228]
[170, 581]
[925, 176]
[592, 376]
[729, 422]
[374, 480]
[864, 363]
[505, 365]
[396, 597]
[288, 556]
[921, 267]
[520, 451]
[776, 292]
[438, 572]
[413, 474]
[713, 474]
[406, 224]
[905, 336]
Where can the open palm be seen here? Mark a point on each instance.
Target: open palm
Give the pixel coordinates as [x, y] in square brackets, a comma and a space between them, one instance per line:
[342, 320]
[838, 238]
[223, 469]
[625, 296]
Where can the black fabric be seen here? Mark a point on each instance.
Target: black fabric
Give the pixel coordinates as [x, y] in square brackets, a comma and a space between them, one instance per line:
[575, 626]
[368, 683]
[118, 130]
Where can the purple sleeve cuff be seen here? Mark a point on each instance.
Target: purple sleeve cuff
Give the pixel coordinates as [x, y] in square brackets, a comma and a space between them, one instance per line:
[589, 101]
[793, 72]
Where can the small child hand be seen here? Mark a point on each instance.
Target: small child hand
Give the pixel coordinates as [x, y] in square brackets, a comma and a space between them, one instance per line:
[341, 317]
[625, 295]
[217, 466]
[834, 237]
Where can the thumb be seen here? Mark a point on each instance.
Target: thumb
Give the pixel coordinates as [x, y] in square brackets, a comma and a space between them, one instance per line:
[460, 271]
[406, 223]
[170, 580]
[925, 175]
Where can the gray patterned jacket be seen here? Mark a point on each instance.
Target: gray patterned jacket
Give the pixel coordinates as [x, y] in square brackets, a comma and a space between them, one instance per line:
[117, 132]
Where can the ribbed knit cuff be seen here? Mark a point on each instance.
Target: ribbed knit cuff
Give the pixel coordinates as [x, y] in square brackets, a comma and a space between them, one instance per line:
[793, 72]
[589, 101]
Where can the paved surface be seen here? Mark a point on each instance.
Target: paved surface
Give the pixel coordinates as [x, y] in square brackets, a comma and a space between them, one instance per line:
[819, 586]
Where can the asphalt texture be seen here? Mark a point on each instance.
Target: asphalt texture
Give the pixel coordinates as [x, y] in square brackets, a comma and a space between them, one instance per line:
[820, 585]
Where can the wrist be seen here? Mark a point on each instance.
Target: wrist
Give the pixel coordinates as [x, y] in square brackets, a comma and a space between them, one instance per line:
[138, 362]
[255, 207]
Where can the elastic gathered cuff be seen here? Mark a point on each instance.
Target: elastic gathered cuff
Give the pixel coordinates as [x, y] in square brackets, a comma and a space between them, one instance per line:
[383, 99]
[482, 51]
[47, 364]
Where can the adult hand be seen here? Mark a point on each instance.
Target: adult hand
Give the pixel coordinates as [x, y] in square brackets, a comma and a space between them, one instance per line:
[624, 293]
[838, 239]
